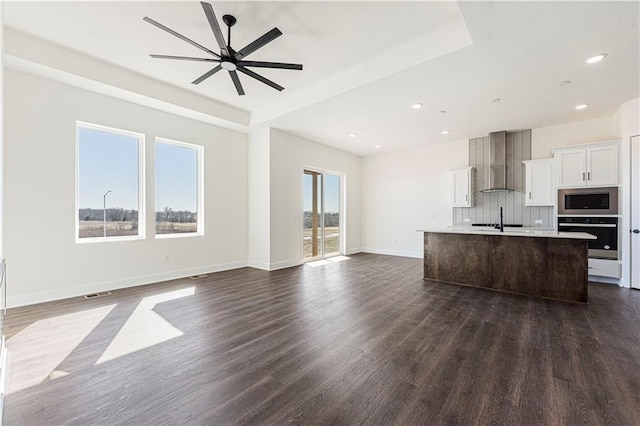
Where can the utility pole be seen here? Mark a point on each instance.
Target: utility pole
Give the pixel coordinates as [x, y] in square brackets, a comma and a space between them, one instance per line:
[104, 212]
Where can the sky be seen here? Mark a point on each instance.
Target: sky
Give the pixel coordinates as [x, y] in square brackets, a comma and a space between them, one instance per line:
[331, 193]
[176, 177]
[109, 161]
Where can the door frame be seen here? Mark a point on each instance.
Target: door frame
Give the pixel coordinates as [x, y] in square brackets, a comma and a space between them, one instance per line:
[634, 221]
[342, 207]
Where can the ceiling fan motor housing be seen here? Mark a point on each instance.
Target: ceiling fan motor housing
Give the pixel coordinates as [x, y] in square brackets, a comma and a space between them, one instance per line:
[229, 20]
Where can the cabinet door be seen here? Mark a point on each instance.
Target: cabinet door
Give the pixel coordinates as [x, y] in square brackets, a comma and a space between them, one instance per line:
[539, 183]
[572, 168]
[602, 165]
[461, 186]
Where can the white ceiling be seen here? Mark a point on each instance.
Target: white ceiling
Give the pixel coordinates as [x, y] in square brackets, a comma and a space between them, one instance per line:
[366, 62]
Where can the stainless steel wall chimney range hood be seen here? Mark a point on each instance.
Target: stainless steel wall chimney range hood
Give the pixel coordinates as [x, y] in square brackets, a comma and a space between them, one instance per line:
[498, 164]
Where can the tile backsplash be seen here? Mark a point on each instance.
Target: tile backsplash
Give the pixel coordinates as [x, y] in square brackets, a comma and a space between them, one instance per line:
[486, 206]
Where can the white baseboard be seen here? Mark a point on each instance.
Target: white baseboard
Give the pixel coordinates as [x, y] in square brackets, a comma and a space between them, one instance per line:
[606, 280]
[275, 265]
[353, 251]
[64, 293]
[285, 264]
[401, 253]
[258, 265]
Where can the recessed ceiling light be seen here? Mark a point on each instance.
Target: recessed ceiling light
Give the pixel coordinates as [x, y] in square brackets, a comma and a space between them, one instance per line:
[596, 58]
[444, 132]
[377, 146]
[416, 106]
[494, 100]
[353, 135]
[582, 106]
[564, 83]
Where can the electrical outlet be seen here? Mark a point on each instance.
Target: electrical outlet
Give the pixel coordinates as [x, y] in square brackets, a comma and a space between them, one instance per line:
[538, 221]
[165, 258]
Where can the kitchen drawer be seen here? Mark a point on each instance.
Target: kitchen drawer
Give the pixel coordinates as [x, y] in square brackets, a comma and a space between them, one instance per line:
[605, 268]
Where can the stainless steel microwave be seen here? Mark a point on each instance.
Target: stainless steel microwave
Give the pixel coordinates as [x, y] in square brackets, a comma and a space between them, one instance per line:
[588, 201]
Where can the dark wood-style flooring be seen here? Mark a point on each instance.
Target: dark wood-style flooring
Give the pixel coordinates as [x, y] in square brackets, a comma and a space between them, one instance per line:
[363, 341]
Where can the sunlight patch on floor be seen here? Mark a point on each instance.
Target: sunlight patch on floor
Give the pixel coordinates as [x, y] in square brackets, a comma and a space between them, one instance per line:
[144, 328]
[317, 263]
[56, 374]
[35, 352]
[327, 261]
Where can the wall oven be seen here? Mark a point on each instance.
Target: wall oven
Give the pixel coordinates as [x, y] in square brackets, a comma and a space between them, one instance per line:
[604, 228]
[588, 201]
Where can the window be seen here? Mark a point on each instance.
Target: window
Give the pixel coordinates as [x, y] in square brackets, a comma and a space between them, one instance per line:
[178, 188]
[109, 183]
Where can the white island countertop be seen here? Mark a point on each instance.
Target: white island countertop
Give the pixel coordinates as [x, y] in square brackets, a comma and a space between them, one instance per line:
[512, 232]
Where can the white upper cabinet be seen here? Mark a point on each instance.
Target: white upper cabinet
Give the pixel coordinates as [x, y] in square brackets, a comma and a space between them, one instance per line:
[602, 165]
[461, 188]
[572, 167]
[591, 165]
[538, 182]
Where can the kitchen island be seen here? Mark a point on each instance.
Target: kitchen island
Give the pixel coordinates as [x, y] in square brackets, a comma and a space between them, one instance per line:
[547, 264]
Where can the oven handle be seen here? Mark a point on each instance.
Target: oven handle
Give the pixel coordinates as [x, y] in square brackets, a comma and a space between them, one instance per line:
[588, 225]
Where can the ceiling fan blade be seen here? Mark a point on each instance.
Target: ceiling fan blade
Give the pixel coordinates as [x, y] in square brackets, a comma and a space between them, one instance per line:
[215, 27]
[184, 58]
[258, 43]
[270, 65]
[236, 81]
[180, 36]
[260, 78]
[206, 75]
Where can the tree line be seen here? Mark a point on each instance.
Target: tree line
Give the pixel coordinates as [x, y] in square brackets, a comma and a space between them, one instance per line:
[123, 215]
[330, 219]
[113, 215]
[176, 216]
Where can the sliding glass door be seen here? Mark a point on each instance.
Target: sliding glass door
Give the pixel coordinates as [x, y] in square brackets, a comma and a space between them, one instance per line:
[322, 234]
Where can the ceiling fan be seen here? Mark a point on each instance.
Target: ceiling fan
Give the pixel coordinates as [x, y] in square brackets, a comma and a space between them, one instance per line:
[228, 58]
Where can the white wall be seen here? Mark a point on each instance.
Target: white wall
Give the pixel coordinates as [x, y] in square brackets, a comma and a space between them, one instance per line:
[1, 128]
[405, 191]
[259, 196]
[408, 190]
[35, 55]
[577, 132]
[627, 121]
[45, 262]
[289, 155]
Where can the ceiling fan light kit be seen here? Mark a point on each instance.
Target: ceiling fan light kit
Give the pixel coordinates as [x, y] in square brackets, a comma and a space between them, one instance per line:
[228, 59]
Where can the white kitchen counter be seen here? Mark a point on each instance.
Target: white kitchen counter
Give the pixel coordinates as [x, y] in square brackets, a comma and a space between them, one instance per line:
[513, 232]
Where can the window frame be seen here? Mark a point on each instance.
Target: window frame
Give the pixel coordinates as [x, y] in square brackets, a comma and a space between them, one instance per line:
[199, 188]
[342, 222]
[141, 183]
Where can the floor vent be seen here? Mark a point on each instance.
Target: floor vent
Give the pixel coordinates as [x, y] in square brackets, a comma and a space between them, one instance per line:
[197, 277]
[94, 295]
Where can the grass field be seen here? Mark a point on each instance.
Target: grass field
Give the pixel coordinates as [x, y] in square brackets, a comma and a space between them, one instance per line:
[175, 228]
[94, 228]
[332, 241]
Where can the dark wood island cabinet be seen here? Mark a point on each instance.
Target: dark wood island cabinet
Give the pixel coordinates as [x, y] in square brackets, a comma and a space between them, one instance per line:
[552, 265]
